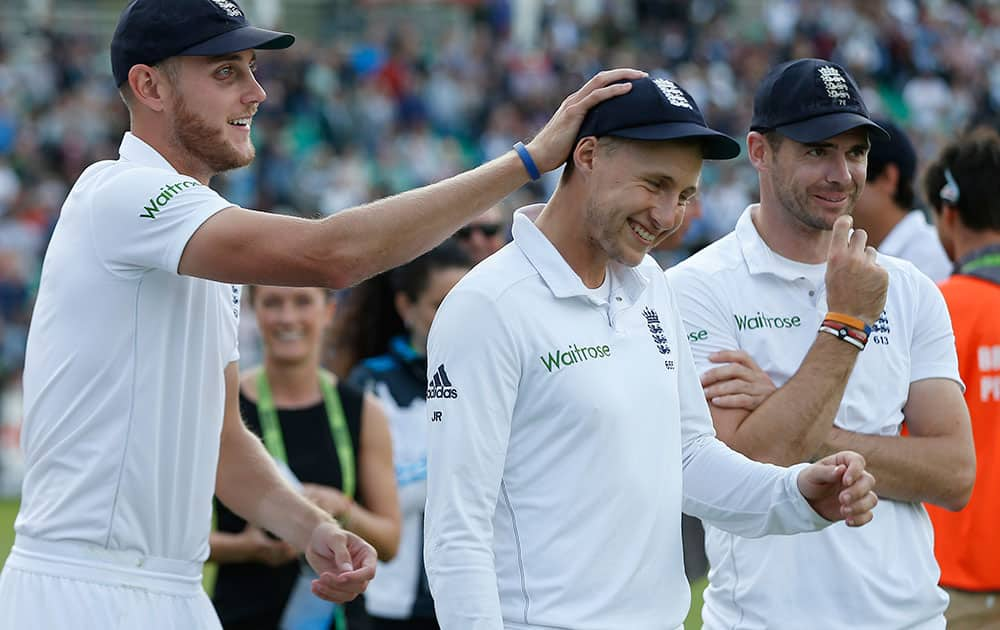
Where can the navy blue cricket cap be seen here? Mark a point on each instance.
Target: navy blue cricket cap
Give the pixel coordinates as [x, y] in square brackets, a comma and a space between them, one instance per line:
[656, 109]
[897, 149]
[150, 31]
[810, 100]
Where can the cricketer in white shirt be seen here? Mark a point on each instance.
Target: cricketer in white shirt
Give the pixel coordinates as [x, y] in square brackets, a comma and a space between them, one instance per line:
[568, 429]
[123, 383]
[738, 294]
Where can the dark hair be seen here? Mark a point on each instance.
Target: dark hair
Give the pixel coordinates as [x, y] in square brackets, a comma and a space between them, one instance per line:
[774, 139]
[904, 196]
[609, 144]
[973, 161]
[367, 320]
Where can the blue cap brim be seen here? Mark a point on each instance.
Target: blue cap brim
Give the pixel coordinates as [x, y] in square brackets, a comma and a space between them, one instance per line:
[243, 38]
[825, 127]
[715, 145]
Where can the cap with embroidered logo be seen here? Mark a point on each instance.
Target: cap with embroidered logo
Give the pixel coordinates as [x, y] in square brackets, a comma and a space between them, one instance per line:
[809, 100]
[656, 109]
[150, 31]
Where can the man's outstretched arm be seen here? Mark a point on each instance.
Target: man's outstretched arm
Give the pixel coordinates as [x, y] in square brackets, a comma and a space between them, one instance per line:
[246, 247]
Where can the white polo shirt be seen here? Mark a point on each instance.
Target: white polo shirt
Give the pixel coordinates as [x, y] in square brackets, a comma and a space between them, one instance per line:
[123, 379]
[916, 240]
[738, 294]
[562, 428]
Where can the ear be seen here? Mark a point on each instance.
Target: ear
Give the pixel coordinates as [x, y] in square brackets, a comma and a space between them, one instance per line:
[758, 150]
[585, 153]
[149, 86]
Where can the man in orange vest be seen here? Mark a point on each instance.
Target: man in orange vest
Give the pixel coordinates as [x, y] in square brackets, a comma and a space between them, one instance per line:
[962, 187]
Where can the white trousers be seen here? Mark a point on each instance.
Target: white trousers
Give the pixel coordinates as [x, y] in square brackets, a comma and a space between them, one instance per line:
[74, 586]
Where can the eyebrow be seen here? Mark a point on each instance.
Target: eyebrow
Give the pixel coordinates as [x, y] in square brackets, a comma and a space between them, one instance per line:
[232, 57]
[829, 145]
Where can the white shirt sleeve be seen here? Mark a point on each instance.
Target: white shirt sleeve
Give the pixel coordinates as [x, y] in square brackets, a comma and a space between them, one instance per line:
[474, 372]
[932, 347]
[724, 487]
[142, 219]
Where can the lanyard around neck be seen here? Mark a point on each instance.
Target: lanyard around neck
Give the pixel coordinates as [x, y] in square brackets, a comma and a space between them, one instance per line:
[991, 259]
[274, 440]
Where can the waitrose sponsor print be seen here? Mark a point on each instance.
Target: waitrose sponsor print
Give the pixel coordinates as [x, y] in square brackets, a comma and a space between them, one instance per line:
[572, 355]
[763, 320]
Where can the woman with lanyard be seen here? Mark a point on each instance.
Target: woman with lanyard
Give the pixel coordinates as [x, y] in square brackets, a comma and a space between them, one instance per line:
[333, 440]
[390, 316]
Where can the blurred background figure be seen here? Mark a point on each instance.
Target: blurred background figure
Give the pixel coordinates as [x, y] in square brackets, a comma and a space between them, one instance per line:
[383, 328]
[886, 208]
[484, 235]
[333, 439]
[963, 188]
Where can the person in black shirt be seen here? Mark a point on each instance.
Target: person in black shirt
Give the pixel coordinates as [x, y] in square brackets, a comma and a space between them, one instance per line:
[331, 437]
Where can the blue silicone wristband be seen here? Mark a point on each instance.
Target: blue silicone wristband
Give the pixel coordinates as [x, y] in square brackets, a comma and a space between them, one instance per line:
[529, 164]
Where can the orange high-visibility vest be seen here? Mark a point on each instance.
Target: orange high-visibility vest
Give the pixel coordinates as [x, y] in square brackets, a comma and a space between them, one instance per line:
[967, 543]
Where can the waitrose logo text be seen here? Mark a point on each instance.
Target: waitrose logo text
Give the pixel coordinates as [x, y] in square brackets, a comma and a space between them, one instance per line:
[760, 320]
[574, 354]
[166, 194]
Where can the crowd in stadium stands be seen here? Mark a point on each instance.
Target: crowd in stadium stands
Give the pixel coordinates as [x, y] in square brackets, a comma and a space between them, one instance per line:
[394, 106]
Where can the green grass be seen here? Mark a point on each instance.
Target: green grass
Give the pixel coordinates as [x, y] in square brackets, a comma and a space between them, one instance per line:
[8, 510]
[693, 621]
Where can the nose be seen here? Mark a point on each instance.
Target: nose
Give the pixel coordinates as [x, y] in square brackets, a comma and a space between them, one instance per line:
[286, 313]
[255, 93]
[838, 171]
[665, 213]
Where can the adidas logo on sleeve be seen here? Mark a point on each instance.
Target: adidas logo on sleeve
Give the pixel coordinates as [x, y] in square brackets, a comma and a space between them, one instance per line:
[440, 386]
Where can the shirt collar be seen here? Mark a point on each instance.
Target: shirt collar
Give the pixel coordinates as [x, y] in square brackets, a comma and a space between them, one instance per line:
[761, 259]
[136, 150]
[556, 272]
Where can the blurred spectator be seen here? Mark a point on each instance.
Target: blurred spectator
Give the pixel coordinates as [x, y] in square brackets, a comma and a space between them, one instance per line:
[885, 209]
[334, 441]
[484, 235]
[964, 191]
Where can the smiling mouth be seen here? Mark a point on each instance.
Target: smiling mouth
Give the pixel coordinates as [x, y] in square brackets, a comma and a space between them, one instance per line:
[642, 232]
[832, 197]
[241, 122]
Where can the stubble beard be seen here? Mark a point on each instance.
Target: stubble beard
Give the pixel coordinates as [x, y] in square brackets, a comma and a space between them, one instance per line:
[205, 143]
[796, 203]
[603, 235]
